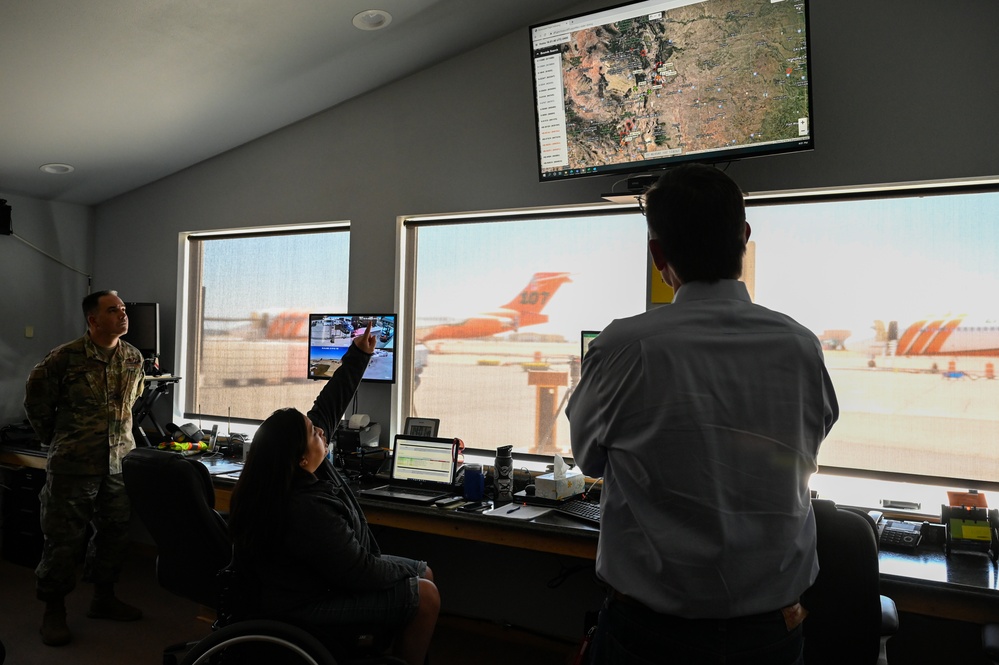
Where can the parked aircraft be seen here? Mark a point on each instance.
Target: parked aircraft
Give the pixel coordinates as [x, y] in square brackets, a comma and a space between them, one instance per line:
[959, 335]
[523, 310]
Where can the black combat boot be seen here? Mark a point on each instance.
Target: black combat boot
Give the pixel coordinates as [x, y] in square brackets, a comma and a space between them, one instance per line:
[54, 631]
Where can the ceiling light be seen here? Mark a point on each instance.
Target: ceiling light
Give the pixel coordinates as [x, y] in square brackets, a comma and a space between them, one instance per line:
[372, 19]
[57, 169]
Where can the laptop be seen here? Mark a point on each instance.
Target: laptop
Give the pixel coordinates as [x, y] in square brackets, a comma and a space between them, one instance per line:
[422, 470]
[219, 465]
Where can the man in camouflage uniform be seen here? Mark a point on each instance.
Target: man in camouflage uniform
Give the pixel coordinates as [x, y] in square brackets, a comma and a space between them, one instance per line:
[79, 402]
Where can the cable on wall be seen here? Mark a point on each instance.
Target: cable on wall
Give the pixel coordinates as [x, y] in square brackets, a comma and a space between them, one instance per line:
[57, 260]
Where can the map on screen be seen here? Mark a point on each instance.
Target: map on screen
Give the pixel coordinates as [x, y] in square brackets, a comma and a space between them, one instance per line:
[656, 81]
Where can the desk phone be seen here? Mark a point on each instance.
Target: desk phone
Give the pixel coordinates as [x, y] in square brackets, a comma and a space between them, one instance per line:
[897, 534]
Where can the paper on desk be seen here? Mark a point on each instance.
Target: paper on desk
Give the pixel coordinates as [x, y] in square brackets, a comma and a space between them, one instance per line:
[517, 511]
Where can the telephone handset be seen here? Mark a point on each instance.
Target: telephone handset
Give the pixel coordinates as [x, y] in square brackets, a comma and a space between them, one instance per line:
[897, 533]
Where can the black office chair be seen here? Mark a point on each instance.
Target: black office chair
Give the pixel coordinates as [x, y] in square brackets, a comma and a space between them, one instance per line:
[174, 497]
[849, 620]
[990, 642]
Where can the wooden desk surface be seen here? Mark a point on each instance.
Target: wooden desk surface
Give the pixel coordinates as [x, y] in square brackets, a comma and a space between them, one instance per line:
[962, 586]
[557, 537]
[18, 458]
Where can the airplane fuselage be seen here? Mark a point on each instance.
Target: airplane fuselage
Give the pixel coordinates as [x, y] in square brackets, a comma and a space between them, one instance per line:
[950, 336]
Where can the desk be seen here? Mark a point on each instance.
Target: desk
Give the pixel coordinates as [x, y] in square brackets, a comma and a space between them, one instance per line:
[556, 535]
[962, 587]
[155, 388]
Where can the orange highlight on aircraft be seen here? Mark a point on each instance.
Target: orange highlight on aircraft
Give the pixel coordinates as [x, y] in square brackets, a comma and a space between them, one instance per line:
[943, 336]
[523, 310]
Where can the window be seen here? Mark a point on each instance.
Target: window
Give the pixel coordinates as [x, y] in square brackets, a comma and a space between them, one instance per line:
[900, 289]
[246, 316]
[897, 284]
[498, 307]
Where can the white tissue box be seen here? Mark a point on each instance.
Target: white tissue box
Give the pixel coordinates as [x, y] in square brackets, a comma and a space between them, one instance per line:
[547, 486]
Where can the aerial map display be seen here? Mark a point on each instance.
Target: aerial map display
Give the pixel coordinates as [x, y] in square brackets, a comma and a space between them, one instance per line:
[630, 84]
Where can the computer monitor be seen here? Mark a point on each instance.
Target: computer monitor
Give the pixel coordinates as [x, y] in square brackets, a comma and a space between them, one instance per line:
[330, 335]
[644, 85]
[585, 338]
[143, 327]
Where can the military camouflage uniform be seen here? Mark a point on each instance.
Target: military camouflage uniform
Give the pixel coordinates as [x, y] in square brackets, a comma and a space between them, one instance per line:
[80, 403]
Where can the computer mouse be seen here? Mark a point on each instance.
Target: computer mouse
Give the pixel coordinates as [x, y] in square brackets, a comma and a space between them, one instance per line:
[529, 490]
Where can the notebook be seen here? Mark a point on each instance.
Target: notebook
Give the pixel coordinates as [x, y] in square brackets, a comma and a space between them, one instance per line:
[422, 470]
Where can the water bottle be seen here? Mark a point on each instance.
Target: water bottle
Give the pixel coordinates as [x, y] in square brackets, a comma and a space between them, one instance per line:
[503, 475]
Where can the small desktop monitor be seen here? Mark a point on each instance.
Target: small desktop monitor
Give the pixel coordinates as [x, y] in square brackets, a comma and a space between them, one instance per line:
[143, 327]
[330, 335]
[642, 86]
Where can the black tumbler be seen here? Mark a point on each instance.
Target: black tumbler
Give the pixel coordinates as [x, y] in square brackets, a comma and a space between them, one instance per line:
[503, 475]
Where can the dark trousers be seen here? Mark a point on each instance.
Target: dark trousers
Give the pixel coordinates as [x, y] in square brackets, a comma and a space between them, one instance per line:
[630, 634]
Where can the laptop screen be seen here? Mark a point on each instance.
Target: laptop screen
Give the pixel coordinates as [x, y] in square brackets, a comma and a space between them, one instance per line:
[423, 459]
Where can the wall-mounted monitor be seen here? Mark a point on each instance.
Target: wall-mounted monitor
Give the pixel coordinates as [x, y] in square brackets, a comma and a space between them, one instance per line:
[644, 85]
[143, 327]
[330, 335]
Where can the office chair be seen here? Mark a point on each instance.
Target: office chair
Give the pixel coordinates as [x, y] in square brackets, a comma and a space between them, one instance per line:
[848, 619]
[174, 497]
[990, 642]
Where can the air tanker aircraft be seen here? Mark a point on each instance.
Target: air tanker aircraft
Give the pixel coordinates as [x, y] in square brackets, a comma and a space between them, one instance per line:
[523, 310]
[959, 335]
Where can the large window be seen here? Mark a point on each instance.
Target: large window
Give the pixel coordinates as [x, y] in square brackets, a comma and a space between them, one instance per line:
[498, 311]
[247, 308]
[901, 289]
[898, 284]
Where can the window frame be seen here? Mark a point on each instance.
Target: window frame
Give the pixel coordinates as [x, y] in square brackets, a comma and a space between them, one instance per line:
[189, 275]
[409, 225]
[407, 230]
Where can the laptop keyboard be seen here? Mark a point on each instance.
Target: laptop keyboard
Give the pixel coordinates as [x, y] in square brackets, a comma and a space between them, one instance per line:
[417, 491]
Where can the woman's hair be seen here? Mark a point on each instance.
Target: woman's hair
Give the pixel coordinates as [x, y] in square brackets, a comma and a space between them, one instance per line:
[260, 499]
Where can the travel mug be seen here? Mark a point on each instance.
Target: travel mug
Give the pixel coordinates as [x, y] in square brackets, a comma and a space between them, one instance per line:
[475, 483]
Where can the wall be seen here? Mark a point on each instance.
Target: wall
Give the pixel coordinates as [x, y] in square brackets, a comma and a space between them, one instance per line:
[896, 99]
[38, 291]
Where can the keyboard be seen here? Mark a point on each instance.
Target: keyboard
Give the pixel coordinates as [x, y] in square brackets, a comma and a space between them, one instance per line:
[584, 510]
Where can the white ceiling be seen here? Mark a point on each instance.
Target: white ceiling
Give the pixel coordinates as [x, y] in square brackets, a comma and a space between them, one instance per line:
[129, 91]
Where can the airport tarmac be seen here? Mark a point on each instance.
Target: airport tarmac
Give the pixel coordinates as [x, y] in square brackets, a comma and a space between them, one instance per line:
[901, 414]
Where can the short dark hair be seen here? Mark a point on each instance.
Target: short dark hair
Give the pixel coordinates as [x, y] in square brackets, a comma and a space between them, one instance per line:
[698, 214]
[92, 300]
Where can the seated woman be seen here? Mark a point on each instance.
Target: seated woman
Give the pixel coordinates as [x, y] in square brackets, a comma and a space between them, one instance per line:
[300, 537]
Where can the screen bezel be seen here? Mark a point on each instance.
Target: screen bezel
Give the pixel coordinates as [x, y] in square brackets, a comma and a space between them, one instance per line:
[650, 166]
[370, 375]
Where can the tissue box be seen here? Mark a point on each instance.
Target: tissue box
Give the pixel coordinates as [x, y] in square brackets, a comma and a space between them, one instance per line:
[548, 486]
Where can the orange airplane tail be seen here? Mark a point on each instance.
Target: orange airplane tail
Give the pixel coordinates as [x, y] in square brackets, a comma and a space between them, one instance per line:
[529, 302]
